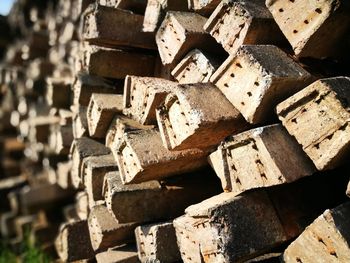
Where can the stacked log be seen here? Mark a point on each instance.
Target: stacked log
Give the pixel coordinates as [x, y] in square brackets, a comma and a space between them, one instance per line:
[176, 131]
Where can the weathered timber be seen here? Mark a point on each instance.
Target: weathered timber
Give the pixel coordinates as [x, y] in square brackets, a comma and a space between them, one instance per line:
[84, 85]
[58, 91]
[73, 242]
[82, 205]
[260, 157]
[116, 63]
[80, 149]
[63, 174]
[326, 239]
[153, 16]
[229, 228]
[257, 78]
[120, 125]
[142, 95]
[106, 232]
[179, 33]
[195, 67]
[101, 110]
[152, 200]
[318, 118]
[205, 7]
[141, 157]
[187, 121]
[80, 125]
[313, 28]
[125, 32]
[95, 168]
[157, 242]
[235, 228]
[119, 254]
[156, 9]
[236, 23]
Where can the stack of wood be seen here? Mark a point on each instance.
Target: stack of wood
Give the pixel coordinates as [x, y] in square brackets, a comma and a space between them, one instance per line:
[193, 131]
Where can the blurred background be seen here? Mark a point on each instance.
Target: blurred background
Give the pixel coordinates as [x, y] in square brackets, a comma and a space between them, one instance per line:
[5, 6]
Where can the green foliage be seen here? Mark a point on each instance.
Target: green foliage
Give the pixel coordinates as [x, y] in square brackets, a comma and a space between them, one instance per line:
[6, 255]
[30, 253]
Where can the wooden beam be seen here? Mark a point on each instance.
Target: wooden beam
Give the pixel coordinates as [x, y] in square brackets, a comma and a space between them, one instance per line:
[195, 67]
[119, 254]
[157, 242]
[100, 112]
[187, 121]
[179, 33]
[327, 238]
[142, 157]
[80, 149]
[126, 30]
[95, 168]
[310, 25]
[255, 84]
[84, 85]
[106, 232]
[73, 242]
[142, 95]
[257, 158]
[237, 23]
[106, 62]
[323, 134]
[155, 197]
[252, 227]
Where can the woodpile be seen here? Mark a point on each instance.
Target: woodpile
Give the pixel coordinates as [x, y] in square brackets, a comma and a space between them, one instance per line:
[176, 130]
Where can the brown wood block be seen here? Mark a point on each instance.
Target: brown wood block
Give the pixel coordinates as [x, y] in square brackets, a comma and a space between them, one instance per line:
[84, 85]
[237, 23]
[80, 149]
[187, 121]
[195, 67]
[116, 63]
[156, 9]
[80, 126]
[327, 239]
[73, 242]
[141, 157]
[100, 112]
[63, 174]
[119, 254]
[151, 201]
[157, 242]
[82, 205]
[106, 232]
[95, 168]
[179, 33]
[205, 7]
[125, 32]
[142, 95]
[318, 118]
[313, 28]
[257, 78]
[229, 228]
[118, 127]
[260, 157]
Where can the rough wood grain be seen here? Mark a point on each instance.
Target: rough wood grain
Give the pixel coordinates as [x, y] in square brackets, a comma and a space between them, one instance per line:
[318, 118]
[236, 23]
[187, 121]
[260, 157]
